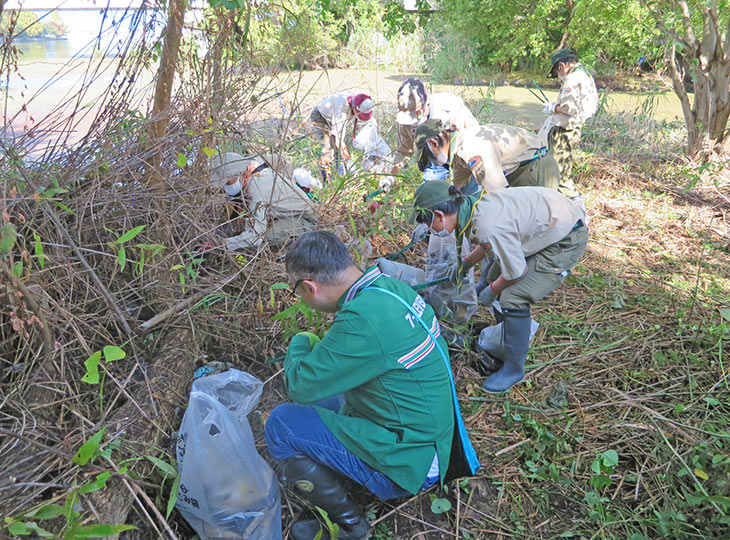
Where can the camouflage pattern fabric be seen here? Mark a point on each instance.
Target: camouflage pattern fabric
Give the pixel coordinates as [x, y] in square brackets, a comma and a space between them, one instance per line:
[561, 144]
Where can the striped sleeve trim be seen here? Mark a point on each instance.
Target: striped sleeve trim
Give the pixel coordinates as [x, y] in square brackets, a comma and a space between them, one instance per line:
[423, 350]
[365, 280]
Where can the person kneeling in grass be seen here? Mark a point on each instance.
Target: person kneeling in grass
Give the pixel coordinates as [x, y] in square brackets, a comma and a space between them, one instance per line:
[536, 234]
[374, 399]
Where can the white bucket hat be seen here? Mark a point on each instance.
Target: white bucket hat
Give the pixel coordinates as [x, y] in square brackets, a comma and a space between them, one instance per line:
[223, 166]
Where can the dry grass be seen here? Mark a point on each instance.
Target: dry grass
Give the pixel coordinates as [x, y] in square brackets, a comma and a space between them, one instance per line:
[629, 356]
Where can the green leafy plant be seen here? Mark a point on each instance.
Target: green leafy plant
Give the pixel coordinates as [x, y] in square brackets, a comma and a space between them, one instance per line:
[26, 524]
[111, 353]
[602, 467]
[168, 470]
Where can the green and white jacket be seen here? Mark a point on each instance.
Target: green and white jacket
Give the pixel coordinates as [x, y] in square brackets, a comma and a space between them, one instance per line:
[398, 406]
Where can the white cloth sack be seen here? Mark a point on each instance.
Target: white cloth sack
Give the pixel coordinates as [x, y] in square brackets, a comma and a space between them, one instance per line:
[226, 490]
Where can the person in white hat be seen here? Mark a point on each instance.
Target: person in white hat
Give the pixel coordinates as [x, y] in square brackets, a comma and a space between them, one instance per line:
[281, 207]
[330, 119]
[415, 106]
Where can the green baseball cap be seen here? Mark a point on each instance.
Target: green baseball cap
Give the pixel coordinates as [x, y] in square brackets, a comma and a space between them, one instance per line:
[560, 56]
[429, 195]
[428, 130]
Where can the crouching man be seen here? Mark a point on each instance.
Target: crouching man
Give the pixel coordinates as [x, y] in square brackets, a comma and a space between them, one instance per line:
[280, 205]
[374, 399]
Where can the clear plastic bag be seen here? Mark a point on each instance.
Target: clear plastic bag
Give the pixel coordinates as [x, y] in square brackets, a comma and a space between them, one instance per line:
[452, 304]
[406, 273]
[226, 490]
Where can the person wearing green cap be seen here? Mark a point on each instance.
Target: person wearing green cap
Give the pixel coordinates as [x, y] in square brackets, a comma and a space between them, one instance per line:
[577, 102]
[536, 234]
[487, 157]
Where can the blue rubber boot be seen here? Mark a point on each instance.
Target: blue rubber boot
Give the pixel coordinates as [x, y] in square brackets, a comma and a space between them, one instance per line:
[516, 342]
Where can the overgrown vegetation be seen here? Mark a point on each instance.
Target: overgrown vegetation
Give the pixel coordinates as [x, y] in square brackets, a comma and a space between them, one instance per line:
[621, 431]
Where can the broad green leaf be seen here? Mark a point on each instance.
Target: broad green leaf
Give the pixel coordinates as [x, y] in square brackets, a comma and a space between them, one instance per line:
[596, 466]
[725, 313]
[182, 161]
[701, 474]
[122, 258]
[131, 233]
[711, 401]
[20, 528]
[18, 269]
[84, 454]
[92, 368]
[177, 267]
[48, 511]
[173, 496]
[8, 236]
[439, 506]
[96, 485]
[112, 353]
[209, 152]
[98, 531]
[610, 458]
[164, 466]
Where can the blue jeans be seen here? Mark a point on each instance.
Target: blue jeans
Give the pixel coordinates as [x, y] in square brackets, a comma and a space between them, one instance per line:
[434, 171]
[293, 429]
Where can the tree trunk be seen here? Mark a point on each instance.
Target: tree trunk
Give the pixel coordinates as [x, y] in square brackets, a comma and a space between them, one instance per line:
[709, 61]
[146, 421]
[163, 89]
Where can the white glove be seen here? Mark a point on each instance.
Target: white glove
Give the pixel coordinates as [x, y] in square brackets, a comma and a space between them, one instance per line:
[549, 108]
[419, 233]
[386, 182]
[487, 297]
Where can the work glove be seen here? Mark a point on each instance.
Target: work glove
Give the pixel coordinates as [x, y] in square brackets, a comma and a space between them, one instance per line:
[313, 339]
[386, 182]
[419, 233]
[549, 108]
[482, 283]
[487, 296]
[457, 272]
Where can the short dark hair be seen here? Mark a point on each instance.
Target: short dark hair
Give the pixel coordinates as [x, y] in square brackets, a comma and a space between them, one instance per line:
[448, 207]
[319, 256]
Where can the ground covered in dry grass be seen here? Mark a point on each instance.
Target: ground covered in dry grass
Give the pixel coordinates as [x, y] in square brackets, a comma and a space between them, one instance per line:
[619, 432]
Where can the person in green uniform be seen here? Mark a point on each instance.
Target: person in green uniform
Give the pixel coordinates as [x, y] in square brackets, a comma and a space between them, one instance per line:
[536, 234]
[372, 399]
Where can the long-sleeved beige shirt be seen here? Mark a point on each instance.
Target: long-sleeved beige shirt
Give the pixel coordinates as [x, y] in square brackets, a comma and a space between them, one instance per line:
[490, 152]
[272, 193]
[448, 108]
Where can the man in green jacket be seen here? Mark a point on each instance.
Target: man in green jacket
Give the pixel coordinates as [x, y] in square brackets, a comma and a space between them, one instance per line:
[373, 398]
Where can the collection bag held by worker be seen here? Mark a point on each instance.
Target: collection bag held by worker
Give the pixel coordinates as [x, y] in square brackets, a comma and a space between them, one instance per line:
[409, 275]
[451, 303]
[226, 490]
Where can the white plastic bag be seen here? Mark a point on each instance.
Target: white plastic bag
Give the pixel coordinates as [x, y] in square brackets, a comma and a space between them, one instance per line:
[456, 305]
[226, 489]
[375, 149]
[404, 272]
